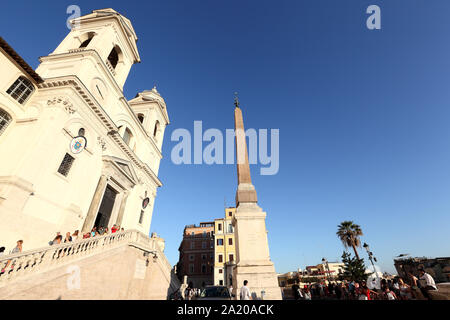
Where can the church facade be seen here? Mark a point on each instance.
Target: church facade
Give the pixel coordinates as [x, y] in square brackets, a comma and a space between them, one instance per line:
[74, 152]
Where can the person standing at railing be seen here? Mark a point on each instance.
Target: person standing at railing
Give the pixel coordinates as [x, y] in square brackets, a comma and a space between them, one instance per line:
[17, 249]
[57, 240]
[75, 236]
[68, 238]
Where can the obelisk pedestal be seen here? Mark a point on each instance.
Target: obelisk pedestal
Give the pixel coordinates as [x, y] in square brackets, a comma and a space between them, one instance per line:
[252, 248]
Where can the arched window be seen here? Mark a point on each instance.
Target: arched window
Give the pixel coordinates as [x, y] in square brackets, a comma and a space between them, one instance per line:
[5, 120]
[85, 43]
[113, 57]
[127, 135]
[141, 117]
[81, 132]
[86, 39]
[155, 131]
[21, 89]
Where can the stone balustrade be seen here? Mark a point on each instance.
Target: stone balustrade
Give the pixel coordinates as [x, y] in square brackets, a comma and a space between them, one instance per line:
[110, 67]
[44, 259]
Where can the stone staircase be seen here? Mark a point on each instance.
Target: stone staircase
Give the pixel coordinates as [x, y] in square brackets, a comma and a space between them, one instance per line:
[123, 265]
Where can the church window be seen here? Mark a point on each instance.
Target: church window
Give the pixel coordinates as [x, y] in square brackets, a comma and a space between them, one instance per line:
[5, 120]
[155, 131]
[66, 164]
[127, 135]
[113, 57]
[21, 89]
[86, 39]
[141, 117]
[141, 217]
[85, 43]
[81, 132]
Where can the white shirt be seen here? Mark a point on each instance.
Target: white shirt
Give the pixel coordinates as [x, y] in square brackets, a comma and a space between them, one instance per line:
[429, 279]
[245, 293]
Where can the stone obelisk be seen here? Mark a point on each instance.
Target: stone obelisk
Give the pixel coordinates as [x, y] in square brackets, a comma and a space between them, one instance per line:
[252, 248]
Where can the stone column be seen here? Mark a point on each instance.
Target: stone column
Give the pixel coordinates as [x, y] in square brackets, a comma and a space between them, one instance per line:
[95, 204]
[122, 208]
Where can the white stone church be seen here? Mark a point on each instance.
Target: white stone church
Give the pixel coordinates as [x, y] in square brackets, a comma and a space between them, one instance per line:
[74, 152]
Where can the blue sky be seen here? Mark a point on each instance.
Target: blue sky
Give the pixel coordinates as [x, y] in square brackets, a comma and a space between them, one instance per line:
[363, 115]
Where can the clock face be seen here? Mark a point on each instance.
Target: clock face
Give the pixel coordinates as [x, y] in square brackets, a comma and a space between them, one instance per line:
[99, 89]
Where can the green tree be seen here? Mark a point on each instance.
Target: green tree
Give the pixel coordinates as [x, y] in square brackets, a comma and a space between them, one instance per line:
[349, 233]
[354, 268]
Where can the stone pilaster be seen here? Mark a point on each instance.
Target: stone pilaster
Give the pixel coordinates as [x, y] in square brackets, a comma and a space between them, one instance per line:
[95, 204]
[122, 208]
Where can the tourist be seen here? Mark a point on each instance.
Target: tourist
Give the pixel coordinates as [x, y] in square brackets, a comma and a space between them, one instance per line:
[17, 249]
[114, 229]
[307, 294]
[93, 231]
[338, 291]
[106, 231]
[68, 238]
[75, 236]
[405, 290]
[427, 283]
[396, 286]
[57, 240]
[87, 235]
[388, 294]
[245, 292]
[296, 291]
[364, 290]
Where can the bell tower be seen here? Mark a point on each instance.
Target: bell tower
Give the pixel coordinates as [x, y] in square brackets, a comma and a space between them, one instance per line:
[101, 44]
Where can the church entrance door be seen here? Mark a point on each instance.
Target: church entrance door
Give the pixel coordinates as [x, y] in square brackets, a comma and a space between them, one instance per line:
[106, 208]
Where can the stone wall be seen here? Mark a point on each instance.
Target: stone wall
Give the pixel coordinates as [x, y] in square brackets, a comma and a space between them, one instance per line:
[122, 272]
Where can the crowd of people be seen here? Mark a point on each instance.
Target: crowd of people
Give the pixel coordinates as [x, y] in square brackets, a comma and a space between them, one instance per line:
[75, 236]
[95, 232]
[411, 288]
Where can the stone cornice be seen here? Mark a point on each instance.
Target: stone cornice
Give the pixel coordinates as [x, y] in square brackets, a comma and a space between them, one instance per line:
[117, 18]
[161, 108]
[111, 78]
[75, 83]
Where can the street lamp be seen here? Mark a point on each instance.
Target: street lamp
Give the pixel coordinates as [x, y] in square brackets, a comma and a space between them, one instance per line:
[371, 258]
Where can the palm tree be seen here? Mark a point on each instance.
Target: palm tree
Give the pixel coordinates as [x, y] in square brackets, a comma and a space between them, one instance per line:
[349, 234]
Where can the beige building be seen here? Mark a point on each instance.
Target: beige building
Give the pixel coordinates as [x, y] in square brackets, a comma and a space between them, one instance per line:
[75, 153]
[224, 249]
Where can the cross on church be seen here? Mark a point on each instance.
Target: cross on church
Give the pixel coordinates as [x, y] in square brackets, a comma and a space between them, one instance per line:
[236, 100]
